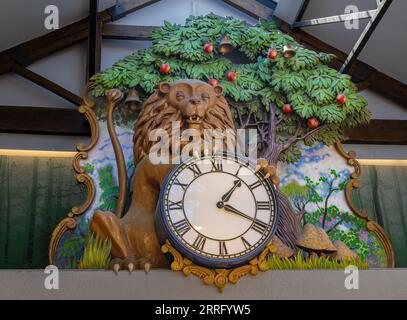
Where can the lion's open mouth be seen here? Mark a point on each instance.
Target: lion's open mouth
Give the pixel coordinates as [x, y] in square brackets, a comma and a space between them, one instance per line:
[194, 119]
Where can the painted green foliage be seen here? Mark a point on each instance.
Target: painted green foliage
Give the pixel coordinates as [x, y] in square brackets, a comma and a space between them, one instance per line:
[89, 168]
[305, 81]
[73, 247]
[339, 225]
[110, 190]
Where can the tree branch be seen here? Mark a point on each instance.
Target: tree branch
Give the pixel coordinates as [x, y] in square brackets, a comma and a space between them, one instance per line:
[334, 226]
[239, 116]
[272, 123]
[248, 120]
[294, 139]
[281, 119]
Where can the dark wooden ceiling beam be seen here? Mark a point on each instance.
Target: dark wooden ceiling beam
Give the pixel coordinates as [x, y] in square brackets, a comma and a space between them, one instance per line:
[94, 54]
[64, 121]
[47, 84]
[121, 10]
[379, 132]
[127, 32]
[252, 8]
[42, 120]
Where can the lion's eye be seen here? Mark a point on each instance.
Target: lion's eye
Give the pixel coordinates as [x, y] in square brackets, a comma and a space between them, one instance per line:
[180, 95]
[205, 95]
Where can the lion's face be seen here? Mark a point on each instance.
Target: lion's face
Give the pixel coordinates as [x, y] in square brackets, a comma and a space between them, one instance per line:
[192, 103]
[192, 98]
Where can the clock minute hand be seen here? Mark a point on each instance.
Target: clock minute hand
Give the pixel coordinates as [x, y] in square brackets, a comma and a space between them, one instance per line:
[227, 195]
[234, 210]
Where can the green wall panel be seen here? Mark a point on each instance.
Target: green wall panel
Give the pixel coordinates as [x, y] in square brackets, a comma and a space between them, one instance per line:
[383, 193]
[35, 194]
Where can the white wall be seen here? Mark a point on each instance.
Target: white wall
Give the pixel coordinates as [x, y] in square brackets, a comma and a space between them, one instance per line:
[68, 68]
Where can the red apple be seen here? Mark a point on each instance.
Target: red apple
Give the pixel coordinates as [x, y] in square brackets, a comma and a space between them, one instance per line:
[165, 68]
[287, 109]
[312, 123]
[232, 76]
[273, 53]
[341, 98]
[208, 47]
[213, 82]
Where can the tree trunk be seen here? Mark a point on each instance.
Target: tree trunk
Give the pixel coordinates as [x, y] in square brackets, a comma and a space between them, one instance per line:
[289, 226]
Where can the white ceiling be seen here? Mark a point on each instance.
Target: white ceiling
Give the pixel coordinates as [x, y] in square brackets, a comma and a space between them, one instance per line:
[386, 49]
[22, 20]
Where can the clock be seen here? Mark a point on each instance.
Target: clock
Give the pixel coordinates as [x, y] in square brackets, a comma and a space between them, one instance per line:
[217, 210]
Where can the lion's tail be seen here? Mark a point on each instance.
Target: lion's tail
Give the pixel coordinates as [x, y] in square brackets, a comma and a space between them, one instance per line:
[114, 96]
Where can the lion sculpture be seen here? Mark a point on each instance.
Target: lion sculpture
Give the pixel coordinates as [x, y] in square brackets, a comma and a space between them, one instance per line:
[195, 104]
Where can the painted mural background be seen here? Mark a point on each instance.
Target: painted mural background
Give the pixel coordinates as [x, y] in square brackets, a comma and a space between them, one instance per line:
[315, 183]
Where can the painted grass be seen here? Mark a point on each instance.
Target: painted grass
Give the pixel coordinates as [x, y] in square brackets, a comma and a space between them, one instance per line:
[96, 254]
[298, 262]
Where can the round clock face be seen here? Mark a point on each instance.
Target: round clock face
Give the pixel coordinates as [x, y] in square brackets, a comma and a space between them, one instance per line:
[218, 211]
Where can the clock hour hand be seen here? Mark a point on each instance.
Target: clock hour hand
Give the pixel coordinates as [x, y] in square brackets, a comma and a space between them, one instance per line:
[227, 195]
[231, 209]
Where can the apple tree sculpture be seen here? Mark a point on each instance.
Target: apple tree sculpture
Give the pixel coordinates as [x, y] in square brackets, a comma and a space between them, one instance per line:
[273, 84]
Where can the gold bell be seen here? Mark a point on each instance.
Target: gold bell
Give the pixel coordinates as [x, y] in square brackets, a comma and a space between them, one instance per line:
[225, 46]
[288, 51]
[132, 99]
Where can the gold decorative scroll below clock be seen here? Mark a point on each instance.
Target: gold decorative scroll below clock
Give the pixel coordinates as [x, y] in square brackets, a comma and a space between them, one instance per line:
[218, 277]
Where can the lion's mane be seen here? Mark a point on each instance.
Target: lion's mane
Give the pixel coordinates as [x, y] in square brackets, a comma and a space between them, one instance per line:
[157, 113]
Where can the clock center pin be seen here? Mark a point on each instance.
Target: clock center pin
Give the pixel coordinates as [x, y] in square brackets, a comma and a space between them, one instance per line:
[220, 204]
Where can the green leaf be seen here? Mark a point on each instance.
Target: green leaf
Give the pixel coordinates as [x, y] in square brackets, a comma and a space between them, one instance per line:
[331, 113]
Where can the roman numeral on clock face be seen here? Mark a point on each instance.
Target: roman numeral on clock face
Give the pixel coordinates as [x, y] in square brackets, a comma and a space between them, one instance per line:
[199, 242]
[259, 226]
[175, 205]
[195, 169]
[182, 185]
[217, 165]
[246, 243]
[182, 227]
[255, 185]
[222, 248]
[263, 205]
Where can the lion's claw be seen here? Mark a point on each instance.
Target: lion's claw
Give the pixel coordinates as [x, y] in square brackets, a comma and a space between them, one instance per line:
[145, 264]
[122, 264]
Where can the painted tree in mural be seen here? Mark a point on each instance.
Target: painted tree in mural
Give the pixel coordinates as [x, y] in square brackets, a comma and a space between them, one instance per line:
[322, 213]
[285, 91]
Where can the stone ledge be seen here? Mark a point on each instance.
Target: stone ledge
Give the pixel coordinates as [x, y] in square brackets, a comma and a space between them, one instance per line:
[165, 284]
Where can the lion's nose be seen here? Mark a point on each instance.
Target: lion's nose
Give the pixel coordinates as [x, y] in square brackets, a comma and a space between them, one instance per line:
[195, 100]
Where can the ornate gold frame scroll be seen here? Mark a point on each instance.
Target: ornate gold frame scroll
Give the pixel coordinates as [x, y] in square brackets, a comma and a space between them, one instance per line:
[69, 223]
[218, 277]
[354, 183]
